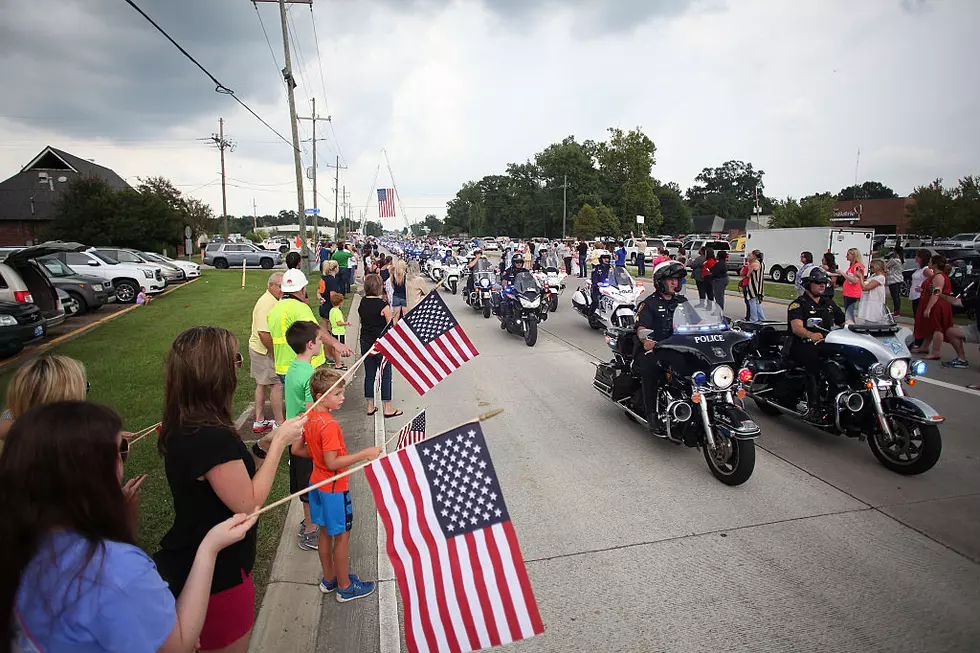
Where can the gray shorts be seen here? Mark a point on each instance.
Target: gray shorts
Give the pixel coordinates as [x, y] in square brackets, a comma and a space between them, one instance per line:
[262, 368]
[971, 334]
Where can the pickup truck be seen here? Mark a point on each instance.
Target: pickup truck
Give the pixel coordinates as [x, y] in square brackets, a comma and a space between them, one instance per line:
[649, 247]
[736, 254]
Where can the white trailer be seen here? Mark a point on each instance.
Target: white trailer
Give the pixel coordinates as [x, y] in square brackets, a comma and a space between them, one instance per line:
[781, 248]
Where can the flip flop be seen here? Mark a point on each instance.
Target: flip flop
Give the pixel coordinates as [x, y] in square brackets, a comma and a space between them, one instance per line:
[397, 413]
[372, 412]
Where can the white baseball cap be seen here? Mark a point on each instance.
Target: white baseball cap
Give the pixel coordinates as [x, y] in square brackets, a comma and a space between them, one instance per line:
[293, 281]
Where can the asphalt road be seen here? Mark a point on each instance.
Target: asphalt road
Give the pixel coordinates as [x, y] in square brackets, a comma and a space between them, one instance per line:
[632, 545]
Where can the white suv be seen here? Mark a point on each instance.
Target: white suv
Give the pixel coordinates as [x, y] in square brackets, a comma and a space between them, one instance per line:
[126, 278]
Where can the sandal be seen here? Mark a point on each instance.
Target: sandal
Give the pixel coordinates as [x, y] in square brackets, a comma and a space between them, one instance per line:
[372, 412]
[397, 413]
[341, 367]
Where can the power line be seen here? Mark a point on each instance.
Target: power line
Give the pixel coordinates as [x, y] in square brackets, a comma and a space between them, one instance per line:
[316, 41]
[218, 86]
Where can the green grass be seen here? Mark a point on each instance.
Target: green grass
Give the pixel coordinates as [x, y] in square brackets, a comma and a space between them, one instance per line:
[124, 364]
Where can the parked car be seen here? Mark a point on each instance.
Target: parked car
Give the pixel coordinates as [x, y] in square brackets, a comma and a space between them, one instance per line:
[19, 324]
[276, 244]
[88, 293]
[191, 270]
[22, 281]
[171, 273]
[965, 262]
[126, 278]
[225, 255]
[959, 241]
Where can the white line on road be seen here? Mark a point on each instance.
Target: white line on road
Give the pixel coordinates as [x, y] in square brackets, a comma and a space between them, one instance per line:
[948, 386]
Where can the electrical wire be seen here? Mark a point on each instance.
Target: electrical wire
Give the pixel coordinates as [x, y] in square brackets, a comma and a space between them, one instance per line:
[218, 86]
[316, 41]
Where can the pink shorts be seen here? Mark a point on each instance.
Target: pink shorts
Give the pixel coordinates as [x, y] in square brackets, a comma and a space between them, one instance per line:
[231, 614]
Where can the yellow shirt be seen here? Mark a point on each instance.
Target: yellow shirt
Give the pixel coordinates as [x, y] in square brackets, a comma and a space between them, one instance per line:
[286, 311]
[260, 315]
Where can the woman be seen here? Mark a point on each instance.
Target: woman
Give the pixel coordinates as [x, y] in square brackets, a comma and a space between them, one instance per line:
[212, 476]
[328, 283]
[397, 295]
[853, 278]
[872, 308]
[72, 577]
[757, 286]
[414, 285]
[743, 283]
[718, 278]
[709, 287]
[806, 262]
[829, 263]
[923, 272]
[375, 315]
[41, 381]
[894, 277]
[935, 317]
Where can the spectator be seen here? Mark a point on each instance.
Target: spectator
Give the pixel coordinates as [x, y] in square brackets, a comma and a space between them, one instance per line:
[342, 256]
[414, 285]
[959, 335]
[44, 380]
[620, 255]
[583, 254]
[397, 297]
[853, 278]
[743, 284]
[709, 286]
[915, 284]
[293, 260]
[806, 262]
[73, 577]
[212, 477]
[565, 252]
[895, 277]
[934, 317]
[385, 271]
[757, 284]
[322, 256]
[261, 359]
[829, 264]
[142, 299]
[375, 315]
[353, 265]
[872, 308]
[338, 323]
[661, 257]
[718, 277]
[697, 271]
[328, 284]
[331, 505]
[641, 257]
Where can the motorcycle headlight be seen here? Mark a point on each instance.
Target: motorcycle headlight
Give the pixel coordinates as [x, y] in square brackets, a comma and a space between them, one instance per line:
[919, 368]
[722, 377]
[699, 378]
[484, 283]
[898, 369]
[530, 303]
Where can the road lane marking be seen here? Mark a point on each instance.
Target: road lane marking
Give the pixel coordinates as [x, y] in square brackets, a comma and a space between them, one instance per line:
[948, 386]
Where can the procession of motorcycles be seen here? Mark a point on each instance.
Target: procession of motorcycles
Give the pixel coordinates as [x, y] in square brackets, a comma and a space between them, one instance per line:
[708, 364]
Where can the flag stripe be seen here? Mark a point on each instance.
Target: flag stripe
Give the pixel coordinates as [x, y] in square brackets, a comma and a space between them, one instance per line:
[479, 580]
[493, 586]
[461, 336]
[404, 364]
[466, 606]
[461, 550]
[515, 555]
[513, 584]
[502, 583]
[414, 356]
[428, 354]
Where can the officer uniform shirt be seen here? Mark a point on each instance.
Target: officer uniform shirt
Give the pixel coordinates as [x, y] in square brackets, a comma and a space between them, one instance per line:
[657, 314]
[804, 307]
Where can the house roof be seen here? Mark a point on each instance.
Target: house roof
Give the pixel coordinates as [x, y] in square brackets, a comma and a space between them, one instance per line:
[707, 224]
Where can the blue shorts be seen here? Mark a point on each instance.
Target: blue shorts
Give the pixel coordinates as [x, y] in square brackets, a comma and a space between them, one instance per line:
[397, 301]
[331, 510]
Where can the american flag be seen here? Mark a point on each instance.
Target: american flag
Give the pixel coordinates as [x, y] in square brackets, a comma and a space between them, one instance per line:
[452, 545]
[386, 202]
[426, 345]
[413, 432]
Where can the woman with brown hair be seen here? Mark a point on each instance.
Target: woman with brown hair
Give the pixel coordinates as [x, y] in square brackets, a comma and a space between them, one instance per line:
[72, 577]
[934, 317]
[375, 315]
[42, 381]
[212, 476]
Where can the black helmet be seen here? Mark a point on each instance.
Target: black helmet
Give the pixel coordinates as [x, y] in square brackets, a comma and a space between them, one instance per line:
[814, 275]
[667, 270]
[518, 258]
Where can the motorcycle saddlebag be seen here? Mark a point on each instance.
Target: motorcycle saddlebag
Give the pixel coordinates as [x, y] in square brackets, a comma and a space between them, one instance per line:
[580, 299]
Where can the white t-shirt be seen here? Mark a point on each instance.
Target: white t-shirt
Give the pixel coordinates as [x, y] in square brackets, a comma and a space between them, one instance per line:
[872, 307]
[915, 286]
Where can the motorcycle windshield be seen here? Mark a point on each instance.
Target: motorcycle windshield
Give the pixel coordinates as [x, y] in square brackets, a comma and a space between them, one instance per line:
[688, 318]
[620, 277]
[550, 261]
[482, 265]
[525, 285]
[869, 313]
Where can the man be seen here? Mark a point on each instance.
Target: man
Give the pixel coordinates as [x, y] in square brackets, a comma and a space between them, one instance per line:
[565, 252]
[292, 261]
[477, 255]
[583, 254]
[803, 343]
[505, 260]
[292, 307]
[342, 256]
[506, 279]
[323, 255]
[600, 272]
[655, 322]
[262, 364]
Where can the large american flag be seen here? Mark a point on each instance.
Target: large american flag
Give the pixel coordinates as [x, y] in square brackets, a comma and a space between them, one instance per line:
[426, 345]
[413, 432]
[386, 202]
[452, 545]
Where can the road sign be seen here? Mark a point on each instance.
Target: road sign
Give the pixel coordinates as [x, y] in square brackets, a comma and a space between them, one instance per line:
[187, 232]
[640, 219]
[312, 211]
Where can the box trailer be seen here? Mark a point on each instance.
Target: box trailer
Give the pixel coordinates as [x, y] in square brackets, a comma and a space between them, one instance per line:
[781, 248]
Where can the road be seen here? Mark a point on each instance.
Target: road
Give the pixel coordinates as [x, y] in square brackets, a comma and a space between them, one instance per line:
[632, 545]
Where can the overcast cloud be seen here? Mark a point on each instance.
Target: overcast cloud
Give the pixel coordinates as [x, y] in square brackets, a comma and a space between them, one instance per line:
[454, 90]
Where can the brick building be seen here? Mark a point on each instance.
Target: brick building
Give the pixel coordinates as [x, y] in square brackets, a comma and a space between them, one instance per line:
[886, 216]
[28, 199]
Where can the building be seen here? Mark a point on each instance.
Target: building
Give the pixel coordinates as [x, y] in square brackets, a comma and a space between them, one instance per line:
[885, 216]
[28, 199]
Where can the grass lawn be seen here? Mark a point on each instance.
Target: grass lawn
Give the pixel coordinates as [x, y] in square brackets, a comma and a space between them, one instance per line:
[124, 363]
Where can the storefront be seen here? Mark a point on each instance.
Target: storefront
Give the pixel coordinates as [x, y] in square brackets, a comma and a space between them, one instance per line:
[888, 216]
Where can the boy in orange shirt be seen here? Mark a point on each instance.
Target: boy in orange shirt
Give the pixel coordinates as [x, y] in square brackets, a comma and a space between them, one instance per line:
[330, 504]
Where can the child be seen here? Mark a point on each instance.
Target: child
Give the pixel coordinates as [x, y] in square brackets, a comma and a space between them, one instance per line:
[330, 504]
[142, 299]
[304, 338]
[338, 327]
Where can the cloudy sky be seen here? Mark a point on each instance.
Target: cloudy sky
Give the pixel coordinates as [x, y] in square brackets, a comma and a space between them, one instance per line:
[456, 89]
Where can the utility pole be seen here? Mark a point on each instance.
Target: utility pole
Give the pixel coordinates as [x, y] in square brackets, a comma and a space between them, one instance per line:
[564, 207]
[336, 203]
[255, 226]
[314, 118]
[222, 145]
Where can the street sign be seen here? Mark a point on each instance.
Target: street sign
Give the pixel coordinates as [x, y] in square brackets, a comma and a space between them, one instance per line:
[187, 232]
[312, 211]
[640, 219]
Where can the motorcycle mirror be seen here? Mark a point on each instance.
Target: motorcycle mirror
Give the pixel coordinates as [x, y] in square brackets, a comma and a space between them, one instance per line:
[814, 322]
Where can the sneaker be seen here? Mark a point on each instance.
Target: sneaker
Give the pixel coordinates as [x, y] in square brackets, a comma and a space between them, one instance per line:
[357, 589]
[261, 427]
[957, 363]
[309, 541]
[273, 424]
[302, 528]
[327, 586]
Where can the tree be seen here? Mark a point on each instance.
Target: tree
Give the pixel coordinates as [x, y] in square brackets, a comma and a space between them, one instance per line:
[586, 223]
[933, 211]
[608, 224]
[433, 224]
[729, 191]
[811, 211]
[191, 211]
[625, 164]
[869, 190]
[372, 228]
[676, 213]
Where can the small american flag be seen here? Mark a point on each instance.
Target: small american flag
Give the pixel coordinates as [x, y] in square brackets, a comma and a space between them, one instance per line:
[426, 345]
[452, 545]
[386, 202]
[413, 432]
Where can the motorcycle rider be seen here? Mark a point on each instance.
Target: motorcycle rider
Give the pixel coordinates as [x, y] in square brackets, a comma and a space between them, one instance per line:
[507, 278]
[600, 272]
[477, 255]
[803, 342]
[655, 314]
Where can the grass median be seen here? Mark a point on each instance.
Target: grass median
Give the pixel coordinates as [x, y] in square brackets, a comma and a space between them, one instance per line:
[124, 361]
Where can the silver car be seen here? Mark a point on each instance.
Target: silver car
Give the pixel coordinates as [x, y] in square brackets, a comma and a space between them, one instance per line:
[225, 255]
[171, 273]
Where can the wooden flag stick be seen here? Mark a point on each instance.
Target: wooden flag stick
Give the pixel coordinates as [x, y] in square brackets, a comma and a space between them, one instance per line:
[275, 504]
[348, 373]
[243, 273]
[139, 435]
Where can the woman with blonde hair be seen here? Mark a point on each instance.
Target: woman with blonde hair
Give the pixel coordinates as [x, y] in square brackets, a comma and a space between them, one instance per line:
[872, 308]
[395, 285]
[414, 285]
[43, 380]
[854, 278]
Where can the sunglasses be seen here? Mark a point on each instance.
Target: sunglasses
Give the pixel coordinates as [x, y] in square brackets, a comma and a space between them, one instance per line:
[239, 359]
[123, 449]
[88, 387]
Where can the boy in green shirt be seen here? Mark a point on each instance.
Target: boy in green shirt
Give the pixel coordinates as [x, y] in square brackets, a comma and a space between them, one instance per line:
[304, 338]
[338, 325]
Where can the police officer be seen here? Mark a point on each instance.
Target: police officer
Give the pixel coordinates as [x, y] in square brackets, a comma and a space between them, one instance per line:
[600, 273]
[477, 255]
[655, 322]
[507, 278]
[813, 303]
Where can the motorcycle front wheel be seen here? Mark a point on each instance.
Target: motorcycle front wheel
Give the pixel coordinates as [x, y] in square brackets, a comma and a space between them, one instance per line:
[530, 332]
[553, 303]
[915, 448]
[732, 461]
[486, 311]
[452, 287]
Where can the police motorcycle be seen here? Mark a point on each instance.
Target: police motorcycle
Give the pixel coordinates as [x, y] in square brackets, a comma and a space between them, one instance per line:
[699, 397]
[866, 365]
[452, 267]
[480, 298]
[519, 307]
[551, 279]
[433, 267]
[618, 296]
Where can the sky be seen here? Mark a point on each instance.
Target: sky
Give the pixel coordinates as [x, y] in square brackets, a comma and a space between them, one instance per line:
[452, 90]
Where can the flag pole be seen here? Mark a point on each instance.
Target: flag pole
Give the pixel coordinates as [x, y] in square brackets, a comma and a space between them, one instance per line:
[348, 373]
[142, 433]
[352, 470]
